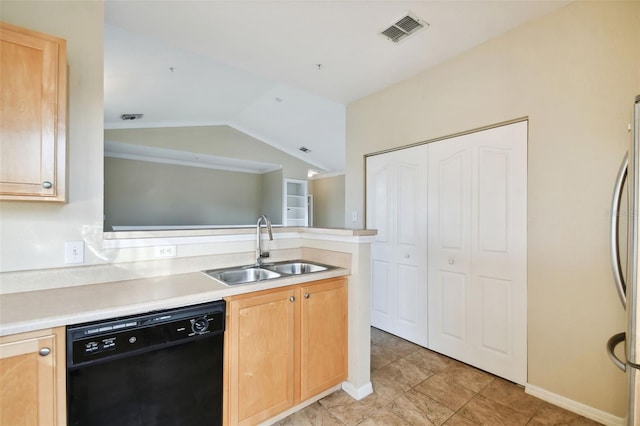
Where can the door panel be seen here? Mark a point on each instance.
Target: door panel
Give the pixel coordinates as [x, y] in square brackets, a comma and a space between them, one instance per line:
[407, 193]
[493, 205]
[380, 295]
[449, 247]
[260, 332]
[407, 294]
[397, 208]
[453, 291]
[495, 316]
[499, 250]
[380, 217]
[451, 192]
[477, 228]
[323, 336]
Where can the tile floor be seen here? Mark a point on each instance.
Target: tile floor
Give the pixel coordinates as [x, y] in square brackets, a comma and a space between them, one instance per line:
[415, 386]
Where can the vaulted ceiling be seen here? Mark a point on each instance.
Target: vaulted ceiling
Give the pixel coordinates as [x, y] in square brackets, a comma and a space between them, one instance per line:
[281, 71]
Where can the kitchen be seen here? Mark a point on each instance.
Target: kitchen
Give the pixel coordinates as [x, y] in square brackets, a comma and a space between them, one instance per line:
[574, 73]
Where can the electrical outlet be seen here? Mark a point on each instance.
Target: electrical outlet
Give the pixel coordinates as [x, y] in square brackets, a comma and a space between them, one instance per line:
[74, 252]
[354, 216]
[165, 251]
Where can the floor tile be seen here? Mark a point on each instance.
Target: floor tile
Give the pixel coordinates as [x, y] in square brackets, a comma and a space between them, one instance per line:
[549, 414]
[381, 355]
[485, 411]
[398, 345]
[313, 415]
[385, 418]
[458, 420]
[418, 409]
[336, 398]
[449, 393]
[415, 386]
[353, 412]
[429, 360]
[512, 396]
[467, 376]
[402, 373]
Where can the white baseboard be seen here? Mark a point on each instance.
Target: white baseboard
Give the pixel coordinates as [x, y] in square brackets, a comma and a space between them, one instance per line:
[574, 406]
[357, 393]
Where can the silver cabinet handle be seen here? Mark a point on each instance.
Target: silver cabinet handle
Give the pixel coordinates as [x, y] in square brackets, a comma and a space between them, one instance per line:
[613, 230]
[407, 256]
[614, 341]
[46, 184]
[307, 295]
[292, 299]
[451, 261]
[44, 351]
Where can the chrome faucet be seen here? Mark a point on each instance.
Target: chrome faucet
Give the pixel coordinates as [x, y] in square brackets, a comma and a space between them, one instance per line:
[259, 253]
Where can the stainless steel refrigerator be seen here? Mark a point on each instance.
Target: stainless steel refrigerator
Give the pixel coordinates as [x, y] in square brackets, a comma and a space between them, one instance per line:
[625, 242]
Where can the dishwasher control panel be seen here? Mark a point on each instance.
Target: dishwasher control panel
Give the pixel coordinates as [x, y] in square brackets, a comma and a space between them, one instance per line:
[93, 341]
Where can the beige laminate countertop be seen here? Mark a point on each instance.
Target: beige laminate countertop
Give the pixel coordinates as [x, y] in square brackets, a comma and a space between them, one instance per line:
[35, 310]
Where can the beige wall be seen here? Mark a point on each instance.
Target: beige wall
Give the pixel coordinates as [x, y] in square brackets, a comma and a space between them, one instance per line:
[32, 234]
[328, 201]
[223, 141]
[141, 193]
[272, 196]
[574, 74]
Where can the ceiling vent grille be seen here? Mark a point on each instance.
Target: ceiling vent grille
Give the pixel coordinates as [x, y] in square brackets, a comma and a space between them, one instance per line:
[404, 27]
[129, 117]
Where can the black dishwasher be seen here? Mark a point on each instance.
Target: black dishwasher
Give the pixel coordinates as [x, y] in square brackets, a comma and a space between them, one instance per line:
[162, 368]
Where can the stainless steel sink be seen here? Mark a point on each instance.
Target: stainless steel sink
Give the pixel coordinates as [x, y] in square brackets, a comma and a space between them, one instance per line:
[242, 275]
[295, 268]
[252, 274]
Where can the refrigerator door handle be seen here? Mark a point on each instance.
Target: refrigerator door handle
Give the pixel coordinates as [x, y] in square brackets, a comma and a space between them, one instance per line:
[614, 341]
[616, 266]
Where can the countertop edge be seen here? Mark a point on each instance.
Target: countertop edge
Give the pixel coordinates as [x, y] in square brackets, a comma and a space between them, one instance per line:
[36, 300]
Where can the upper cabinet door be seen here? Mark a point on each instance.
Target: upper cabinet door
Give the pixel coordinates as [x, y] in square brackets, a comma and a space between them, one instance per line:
[33, 91]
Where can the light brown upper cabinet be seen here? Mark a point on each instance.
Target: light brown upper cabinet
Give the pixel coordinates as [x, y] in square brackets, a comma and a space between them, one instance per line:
[33, 104]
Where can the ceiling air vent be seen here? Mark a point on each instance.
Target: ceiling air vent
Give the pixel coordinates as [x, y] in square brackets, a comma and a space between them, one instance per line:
[129, 117]
[404, 27]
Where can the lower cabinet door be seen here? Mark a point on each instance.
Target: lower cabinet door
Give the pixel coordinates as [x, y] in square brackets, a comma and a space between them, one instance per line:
[31, 383]
[260, 356]
[323, 336]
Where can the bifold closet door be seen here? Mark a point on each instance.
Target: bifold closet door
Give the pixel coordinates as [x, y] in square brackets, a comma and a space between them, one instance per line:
[477, 249]
[397, 208]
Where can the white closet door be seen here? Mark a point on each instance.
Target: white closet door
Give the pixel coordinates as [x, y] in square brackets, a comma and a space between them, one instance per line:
[449, 246]
[397, 208]
[477, 249]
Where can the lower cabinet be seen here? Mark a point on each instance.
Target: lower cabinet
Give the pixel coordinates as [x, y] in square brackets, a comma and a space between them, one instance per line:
[283, 346]
[32, 378]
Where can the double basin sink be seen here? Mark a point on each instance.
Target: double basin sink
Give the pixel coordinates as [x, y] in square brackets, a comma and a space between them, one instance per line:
[254, 273]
